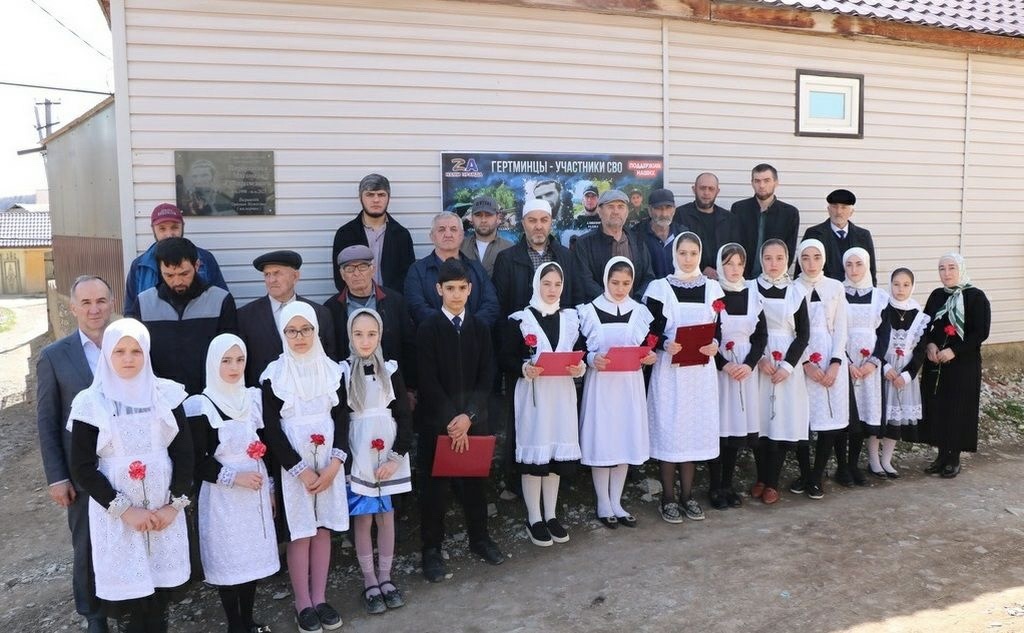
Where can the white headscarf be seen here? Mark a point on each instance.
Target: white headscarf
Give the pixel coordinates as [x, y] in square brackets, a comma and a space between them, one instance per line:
[304, 376]
[356, 379]
[537, 301]
[954, 306]
[910, 303]
[808, 280]
[865, 281]
[605, 302]
[679, 273]
[231, 398]
[781, 281]
[731, 286]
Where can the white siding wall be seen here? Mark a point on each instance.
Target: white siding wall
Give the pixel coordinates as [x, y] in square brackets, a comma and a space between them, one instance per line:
[338, 89]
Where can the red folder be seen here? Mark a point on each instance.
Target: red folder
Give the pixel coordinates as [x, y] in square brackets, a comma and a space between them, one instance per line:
[626, 358]
[475, 462]
[692, 338]
[554, 363]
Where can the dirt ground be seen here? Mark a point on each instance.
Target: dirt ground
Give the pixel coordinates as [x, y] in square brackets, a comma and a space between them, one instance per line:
[918, 554]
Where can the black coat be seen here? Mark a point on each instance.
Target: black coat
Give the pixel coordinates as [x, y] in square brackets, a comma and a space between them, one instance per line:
[263, 343]
[855, 236]
[592, 252]
[782, 222]
[396, 254]
[513, 276]
[398, 340]
[726, 230]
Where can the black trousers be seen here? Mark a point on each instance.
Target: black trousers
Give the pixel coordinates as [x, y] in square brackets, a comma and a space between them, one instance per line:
[434, 497]
[83, 578]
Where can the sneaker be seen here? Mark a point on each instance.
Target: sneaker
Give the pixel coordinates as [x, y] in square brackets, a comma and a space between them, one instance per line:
[798, 487]
[693, 510]
[329, 617]
[539, 535]
[670, 512]
[558, 533]
[309, 621]
[815, 492]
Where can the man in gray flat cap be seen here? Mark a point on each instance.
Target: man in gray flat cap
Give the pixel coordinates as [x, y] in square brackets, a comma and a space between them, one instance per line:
[374, 227]
[257, 321]
[593, 250]
[485, 243]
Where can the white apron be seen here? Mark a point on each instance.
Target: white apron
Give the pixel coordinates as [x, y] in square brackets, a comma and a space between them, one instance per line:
[237, 540]
[863, 322]
[613, 418]
[307, 512]
[738, 418]
[790, 423]
[126, 566]
[682, 403]
[548, 430]
[829, 409]
[903, 406]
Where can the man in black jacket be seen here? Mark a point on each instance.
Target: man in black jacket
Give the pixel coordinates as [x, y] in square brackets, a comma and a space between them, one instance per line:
[374, 227]
[257, 321]
[839, 235]
[593, 250]
[714, 225]
[764, 217]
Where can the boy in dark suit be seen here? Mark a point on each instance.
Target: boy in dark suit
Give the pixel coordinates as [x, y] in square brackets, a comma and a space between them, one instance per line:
[456, 371]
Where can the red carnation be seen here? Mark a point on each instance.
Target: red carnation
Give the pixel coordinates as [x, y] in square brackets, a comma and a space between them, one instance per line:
[137, 470]
[377, 444]
[865, 352]
[776, 356]
[651, 340]
[950, 330]
[530, 340]
[815, 358]
[718, 305]
[899, 352]
[256, 450]
[729, 345]
[317, 439]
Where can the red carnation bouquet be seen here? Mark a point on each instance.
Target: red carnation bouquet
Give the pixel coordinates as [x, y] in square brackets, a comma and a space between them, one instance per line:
[137, 472]
[256, 450]
[816, 358]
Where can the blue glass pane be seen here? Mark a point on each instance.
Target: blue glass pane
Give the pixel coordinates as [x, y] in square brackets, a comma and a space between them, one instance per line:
[827, 105]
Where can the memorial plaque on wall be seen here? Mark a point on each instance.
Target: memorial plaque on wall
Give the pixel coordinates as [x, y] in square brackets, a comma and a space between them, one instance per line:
[224, 182]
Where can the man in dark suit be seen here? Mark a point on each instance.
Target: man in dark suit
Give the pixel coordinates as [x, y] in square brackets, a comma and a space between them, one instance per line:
[839, 235]
[593, 250]
[257, 321]
[65, 368]
[374, 227]
[714, 225]
[764, 217]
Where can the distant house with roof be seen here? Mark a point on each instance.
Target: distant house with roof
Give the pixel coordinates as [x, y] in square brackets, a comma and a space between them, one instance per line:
[24, 244]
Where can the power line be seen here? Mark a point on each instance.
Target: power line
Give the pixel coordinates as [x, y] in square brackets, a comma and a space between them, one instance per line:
[69, 29]
[91, 92]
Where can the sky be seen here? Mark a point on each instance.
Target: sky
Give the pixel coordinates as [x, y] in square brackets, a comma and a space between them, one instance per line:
[36, 49]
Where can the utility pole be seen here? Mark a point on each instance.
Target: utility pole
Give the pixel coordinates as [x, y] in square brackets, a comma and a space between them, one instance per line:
[44, 129]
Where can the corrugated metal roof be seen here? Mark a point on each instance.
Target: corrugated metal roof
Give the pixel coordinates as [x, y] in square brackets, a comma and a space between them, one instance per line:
[996, 17]
[24, 229]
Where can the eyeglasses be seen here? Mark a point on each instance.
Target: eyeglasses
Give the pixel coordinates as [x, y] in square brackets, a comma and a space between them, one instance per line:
[304, 332]
[355, 268]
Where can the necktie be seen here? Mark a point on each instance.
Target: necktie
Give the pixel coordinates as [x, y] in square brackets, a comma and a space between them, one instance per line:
[841, 233]
[457, 322]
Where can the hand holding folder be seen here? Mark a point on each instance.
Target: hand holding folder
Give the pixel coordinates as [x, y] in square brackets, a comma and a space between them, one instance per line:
[692, 338]
[475, 462]
[626, 358]
[558, 363]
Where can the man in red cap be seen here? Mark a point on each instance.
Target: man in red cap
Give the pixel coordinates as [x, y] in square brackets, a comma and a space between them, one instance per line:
[144, 273]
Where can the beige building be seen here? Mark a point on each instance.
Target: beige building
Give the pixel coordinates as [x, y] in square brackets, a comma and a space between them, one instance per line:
[24, 245]
[340, 88]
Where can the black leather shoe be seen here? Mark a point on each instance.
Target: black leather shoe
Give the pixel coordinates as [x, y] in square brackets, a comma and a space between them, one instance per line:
[609, 522]
[949, 471]
[488, 550]
[309, 621]
[329, 616]
[880, 474]
[732, 498]
[373, 601]
[434, 568]
[858, 476]
[891, 474]
[718, 500]
[935, 467]
[626, 521]
[843, 477]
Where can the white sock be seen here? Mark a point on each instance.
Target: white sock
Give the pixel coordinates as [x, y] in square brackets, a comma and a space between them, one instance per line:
[531, 495]
[617, 482]
[549, 485]
[873, 454]
[604, 504]
[888, 448]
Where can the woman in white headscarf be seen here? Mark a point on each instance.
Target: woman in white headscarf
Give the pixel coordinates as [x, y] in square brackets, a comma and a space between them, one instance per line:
[951, 386]
[613, 417]
[867, 342]
[237, 541]
[827, 377]
[306, 419]
[132, 453]
[546, 421]
[682, 403]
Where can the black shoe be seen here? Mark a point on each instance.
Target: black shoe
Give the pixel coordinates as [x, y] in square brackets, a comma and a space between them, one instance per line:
[878, 473]
[539, 534]
[626, 521]
[374, 603]
[309, 621]
[329, 617]
[798, 487]
[488, 550]
[718, 500]
[609, 522]
[843, 477]
[558, 533]
[891, 474]
[935, 467]
[98, 625]
[393, 598]
[732, 498]
[857, 476]
[949, 471]
[814, 491]
[434, 569]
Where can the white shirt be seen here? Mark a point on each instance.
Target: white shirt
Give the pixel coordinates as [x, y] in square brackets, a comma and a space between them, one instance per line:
[481, 249]
[448, 315]
[276, 307]
[92, 352]
[836, 229]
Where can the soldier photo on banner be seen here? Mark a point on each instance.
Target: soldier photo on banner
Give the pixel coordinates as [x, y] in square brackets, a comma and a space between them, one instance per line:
[224, 182]
[570, 183]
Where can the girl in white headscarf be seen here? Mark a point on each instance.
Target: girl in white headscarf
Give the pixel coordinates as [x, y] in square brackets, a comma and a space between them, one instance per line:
[783, 391]
[951, 385]
[903, 360]
[237, 541]
[682, 403]
[866, 346]
[824, 367]
[613, 417]
[744, 338]
[306, 420]
[132, 453]
[380, 434]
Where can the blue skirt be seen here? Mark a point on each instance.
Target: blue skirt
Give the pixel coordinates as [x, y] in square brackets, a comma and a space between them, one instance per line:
[359, 504]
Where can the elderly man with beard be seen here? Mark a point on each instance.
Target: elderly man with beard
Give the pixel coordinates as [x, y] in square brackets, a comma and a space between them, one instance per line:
[658, 231]
[714, 225]
[593, 250]
[376, 228]
[764, 217]
[484, 244]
